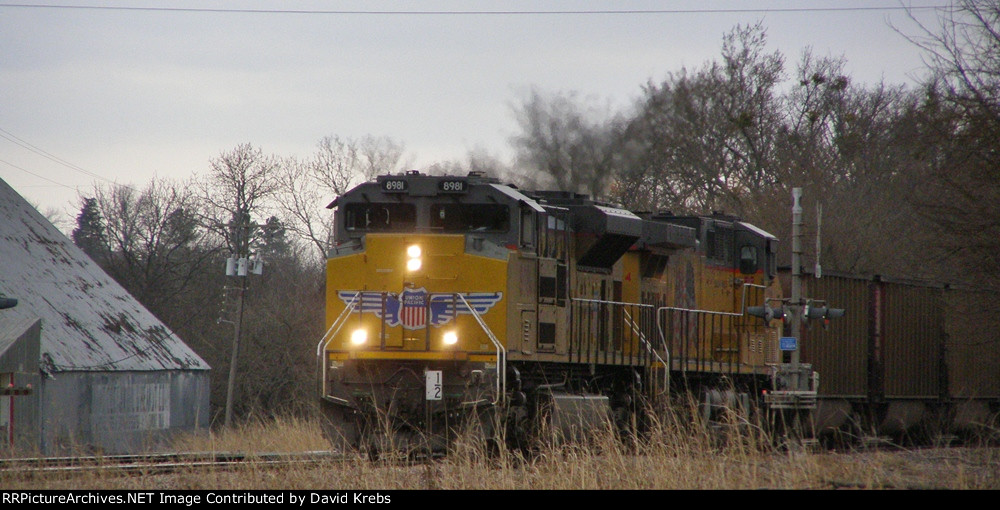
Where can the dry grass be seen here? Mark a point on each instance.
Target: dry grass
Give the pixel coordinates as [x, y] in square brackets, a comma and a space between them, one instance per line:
[676, 455]
[292, 434]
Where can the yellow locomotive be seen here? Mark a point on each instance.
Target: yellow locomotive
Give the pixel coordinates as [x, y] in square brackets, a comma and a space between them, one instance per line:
[454, 297]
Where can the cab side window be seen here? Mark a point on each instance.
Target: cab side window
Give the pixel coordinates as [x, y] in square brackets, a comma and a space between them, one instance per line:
[528, 228]
[749, 262]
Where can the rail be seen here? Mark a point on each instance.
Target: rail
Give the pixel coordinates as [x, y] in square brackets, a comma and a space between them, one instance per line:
[157, 463]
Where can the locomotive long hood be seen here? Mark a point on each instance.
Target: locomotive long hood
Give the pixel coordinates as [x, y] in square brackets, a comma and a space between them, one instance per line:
[667, 235]
[604, 234]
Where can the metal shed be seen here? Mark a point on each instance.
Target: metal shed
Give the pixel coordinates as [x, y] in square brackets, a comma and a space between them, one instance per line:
[104, 373]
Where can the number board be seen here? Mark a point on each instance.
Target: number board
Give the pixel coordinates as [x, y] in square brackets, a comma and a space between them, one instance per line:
[788, 343]
[394, 186]
[433, 384]
[453, 186]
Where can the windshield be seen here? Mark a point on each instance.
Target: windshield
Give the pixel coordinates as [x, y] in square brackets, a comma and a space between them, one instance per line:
[392, 216]
[452, 217]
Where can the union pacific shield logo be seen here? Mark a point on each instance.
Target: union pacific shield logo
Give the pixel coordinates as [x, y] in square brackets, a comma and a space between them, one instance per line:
[416, 308]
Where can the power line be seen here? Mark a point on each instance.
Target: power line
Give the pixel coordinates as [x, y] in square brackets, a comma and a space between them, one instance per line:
[479, 13]
[41, 152]
[36, 175]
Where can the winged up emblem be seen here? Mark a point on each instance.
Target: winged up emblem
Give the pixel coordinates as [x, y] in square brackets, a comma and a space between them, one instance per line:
[416, 308]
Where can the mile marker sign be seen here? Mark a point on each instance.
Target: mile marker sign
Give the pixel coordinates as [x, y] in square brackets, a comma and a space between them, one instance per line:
[434, 389]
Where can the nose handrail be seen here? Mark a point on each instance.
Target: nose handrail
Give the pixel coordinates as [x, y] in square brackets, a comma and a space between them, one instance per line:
[501, 352]
[330, 334]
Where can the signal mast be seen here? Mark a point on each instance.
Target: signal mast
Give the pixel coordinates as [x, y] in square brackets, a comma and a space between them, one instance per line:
[795, 384]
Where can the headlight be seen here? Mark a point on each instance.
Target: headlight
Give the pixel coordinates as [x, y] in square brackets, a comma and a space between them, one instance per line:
[413, 264]
[450, 338]
[359, 336]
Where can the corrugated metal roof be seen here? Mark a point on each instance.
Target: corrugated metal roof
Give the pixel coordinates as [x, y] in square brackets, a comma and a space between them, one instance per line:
[12, 327]
[19, 343]
[89, 322]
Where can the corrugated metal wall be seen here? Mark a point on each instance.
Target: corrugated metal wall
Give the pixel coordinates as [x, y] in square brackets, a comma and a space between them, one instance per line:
[121, 412]
[912, 354]
[903, 339]
[19, 422]
[19, 429]
[972, 344]
[840, 353]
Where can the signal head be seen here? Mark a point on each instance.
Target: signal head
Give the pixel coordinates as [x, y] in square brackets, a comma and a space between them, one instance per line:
[766, 313]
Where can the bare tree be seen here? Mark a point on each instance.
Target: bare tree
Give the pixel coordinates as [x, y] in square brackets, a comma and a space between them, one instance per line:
[235, 190]
[336, 164]
[728, 137]
[704, 140]
[153, 246]
[378, 155]
[54, 216]
[304, 188]
[301, 201]
[960, 189]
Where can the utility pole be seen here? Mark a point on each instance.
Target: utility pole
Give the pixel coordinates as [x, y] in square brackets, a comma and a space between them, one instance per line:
[236, 349]
[237, 266]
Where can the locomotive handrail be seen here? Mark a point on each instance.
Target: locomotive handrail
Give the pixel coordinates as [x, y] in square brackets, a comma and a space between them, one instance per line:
[323, 342]
[501, 352]
[607, 302]
[743, 305]
[336, 323]
[742, 312]
[642, 338]
[341, 319]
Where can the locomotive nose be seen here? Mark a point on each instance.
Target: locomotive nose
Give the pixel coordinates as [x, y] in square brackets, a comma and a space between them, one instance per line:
[408, 292]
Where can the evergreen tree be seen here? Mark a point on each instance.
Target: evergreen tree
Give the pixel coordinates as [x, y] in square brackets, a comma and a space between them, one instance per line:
[89, 234]
[274, 241]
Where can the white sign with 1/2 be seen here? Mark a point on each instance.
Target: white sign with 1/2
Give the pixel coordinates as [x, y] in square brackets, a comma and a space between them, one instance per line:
[434, 388]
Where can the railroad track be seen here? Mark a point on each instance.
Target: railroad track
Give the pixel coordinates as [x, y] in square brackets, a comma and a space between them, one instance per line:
[157, 463]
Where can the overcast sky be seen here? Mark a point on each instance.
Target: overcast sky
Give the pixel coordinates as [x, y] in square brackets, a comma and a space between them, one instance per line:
[129, 94]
